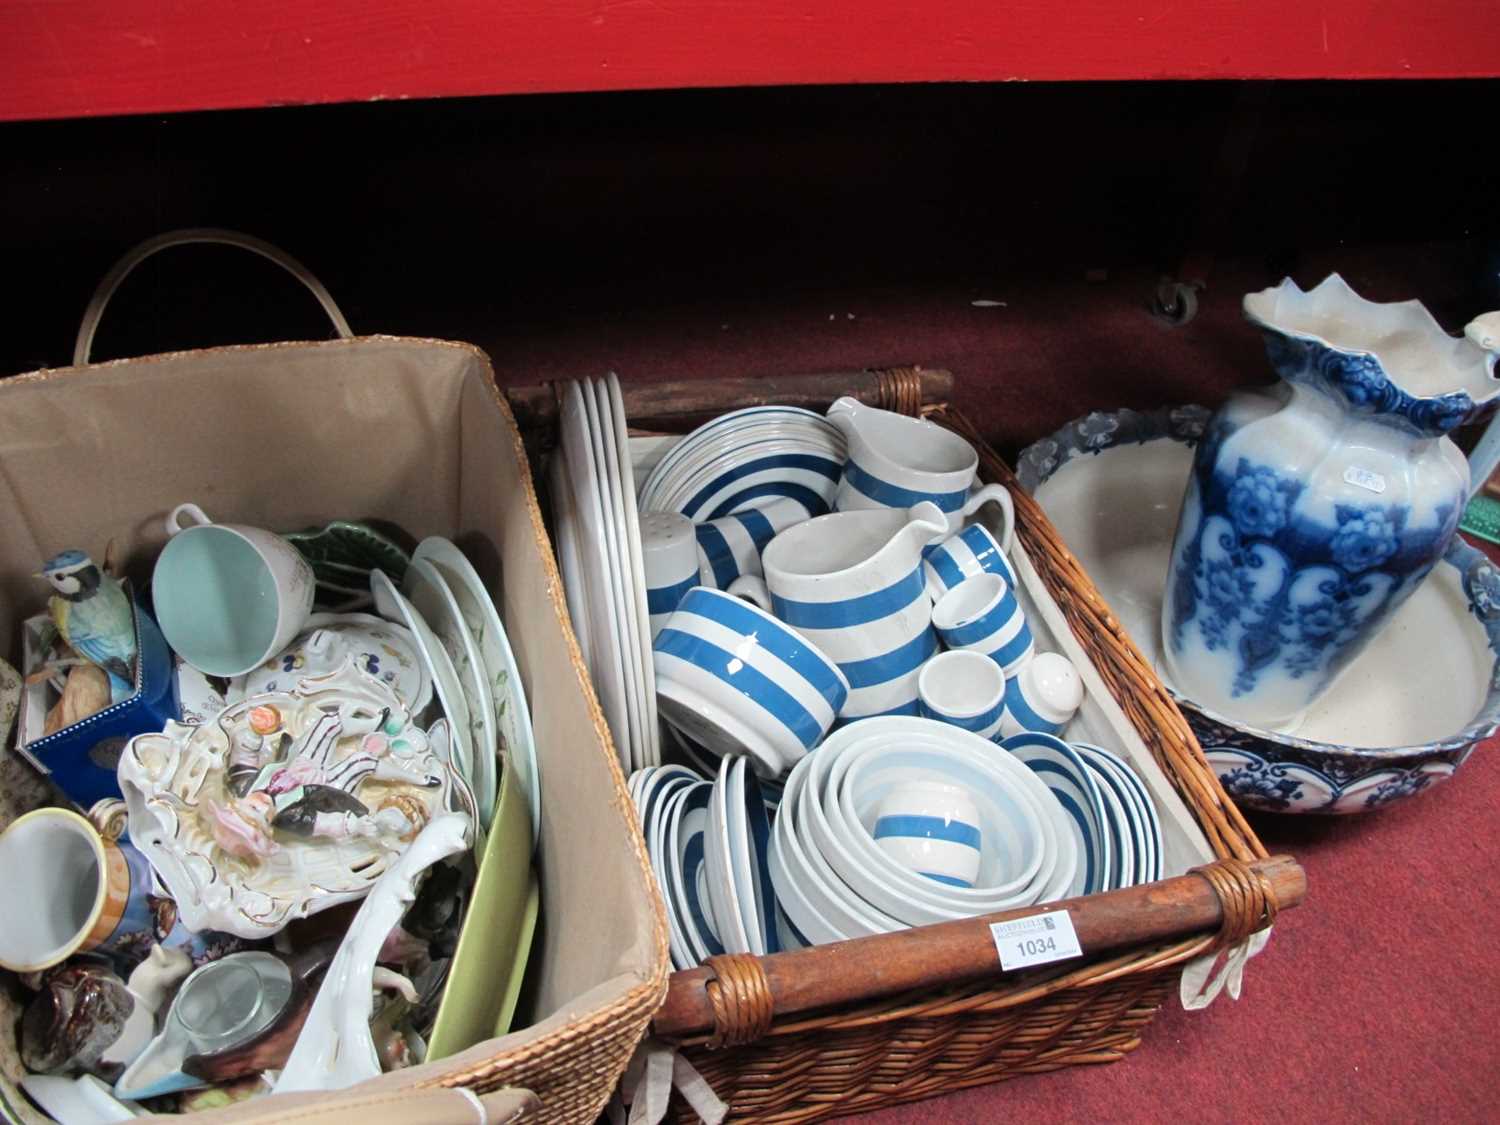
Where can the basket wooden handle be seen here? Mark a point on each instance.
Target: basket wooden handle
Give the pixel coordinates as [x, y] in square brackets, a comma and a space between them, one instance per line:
[678, 406]
[733, 1000]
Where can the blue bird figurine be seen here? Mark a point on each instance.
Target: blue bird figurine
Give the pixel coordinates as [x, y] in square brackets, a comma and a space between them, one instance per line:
[92, 612]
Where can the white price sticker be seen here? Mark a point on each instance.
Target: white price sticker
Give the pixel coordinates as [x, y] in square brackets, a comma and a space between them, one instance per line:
[1036, 940]
[1364, 478]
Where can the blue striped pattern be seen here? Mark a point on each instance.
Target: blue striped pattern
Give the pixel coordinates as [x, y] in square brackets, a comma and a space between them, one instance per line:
[898, 662]
[1065, 798]
[781, 643]
[914, 826]
[979, 541]
[664, 599]
[1012, 650]
[979, 723]
[810, 498]
[851, 611]
[821, 464]
[951, 880]
[759, 528]
[692, 859]
[719, 554]
[942, 562]
[987, 623]
[1021, 712]
[894, 496]
[748, 681]
[912, 708]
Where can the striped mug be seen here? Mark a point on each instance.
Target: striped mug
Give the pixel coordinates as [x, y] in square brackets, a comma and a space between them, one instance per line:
[974, 550]
[731, 545]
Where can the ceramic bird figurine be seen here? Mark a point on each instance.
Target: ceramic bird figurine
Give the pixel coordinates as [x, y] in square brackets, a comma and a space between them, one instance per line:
[92, 612]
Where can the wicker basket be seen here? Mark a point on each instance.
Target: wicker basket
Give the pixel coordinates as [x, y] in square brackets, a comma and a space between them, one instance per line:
[799, 1036]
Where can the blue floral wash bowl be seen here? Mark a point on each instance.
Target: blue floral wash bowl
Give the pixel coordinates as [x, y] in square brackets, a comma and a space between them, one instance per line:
[1401, 717]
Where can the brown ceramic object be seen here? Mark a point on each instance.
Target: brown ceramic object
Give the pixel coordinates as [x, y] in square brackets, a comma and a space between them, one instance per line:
[79, 1012]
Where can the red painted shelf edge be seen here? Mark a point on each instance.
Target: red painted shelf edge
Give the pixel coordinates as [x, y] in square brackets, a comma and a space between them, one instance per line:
[91, 57]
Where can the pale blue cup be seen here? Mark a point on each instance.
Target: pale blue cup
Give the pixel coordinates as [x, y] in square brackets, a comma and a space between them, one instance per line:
[228, 597]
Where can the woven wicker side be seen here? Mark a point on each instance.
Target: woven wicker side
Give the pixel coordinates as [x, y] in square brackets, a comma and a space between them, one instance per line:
[929, 1045]
[1128, 674]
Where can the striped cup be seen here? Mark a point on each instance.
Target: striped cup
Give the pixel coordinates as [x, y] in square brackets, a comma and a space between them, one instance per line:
[972, 551]
[931, 827]
[981, 613]
[731, 545]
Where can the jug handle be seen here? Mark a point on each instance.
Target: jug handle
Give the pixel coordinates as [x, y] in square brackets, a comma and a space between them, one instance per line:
[1000, 495]
[753, 589]
[1484, 332]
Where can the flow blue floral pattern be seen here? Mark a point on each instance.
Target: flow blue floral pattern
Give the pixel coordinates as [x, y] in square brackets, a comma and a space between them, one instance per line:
[1283, 773]
[1285, 592]
[1358, 379]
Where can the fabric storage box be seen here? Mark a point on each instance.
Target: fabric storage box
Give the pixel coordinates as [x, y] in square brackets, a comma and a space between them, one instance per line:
[857, 1025]
[411, 431]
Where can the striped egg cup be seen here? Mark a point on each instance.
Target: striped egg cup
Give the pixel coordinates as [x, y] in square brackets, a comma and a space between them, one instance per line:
[974, 550]
[965, 689]
[982, 614]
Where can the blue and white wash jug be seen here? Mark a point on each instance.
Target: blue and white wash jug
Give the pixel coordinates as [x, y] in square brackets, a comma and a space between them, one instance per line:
[1315, 508]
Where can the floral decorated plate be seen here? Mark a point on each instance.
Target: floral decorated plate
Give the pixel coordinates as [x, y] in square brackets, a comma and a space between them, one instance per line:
[1403, 716]
[512, 715]
[429, 593]
[285, 804]
[379, 647]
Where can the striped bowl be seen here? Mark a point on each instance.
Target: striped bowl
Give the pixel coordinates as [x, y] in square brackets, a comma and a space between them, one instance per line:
[735, 679]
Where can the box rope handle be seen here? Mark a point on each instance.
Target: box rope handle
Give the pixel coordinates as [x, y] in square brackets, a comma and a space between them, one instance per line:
[118, 272]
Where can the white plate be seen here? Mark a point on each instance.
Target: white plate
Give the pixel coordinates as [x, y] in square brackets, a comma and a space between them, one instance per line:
[512, 715]
[575, 583]
[743, 867]
[718, 852]
[390, 604]
[790, 419]
[664, 814]
[607, 464]
[1128, 869]
[588, 506]
[685, 839]
[381, 648]
[719, 453]
[429, 592]
[1063, 771]
[637, 561]
[1149, 821]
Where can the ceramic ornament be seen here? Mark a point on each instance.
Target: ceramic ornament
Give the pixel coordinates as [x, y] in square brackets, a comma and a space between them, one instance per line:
[285, 804]
[92, 612]
[335, 1048]
[1315, 510]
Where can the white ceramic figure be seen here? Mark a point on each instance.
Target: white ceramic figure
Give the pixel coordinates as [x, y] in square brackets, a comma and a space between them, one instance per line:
[285, 804]
[335, 1048]
[1315, 510]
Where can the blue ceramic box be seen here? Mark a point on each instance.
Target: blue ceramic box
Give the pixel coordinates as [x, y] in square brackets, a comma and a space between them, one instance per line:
[81, 759]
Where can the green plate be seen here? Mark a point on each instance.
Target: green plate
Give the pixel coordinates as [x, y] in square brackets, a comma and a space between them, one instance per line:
[342, 555]
[484, 981]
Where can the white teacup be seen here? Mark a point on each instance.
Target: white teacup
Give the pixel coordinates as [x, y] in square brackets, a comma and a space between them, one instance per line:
[228, 597]
[932, 827]
[964, 689]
